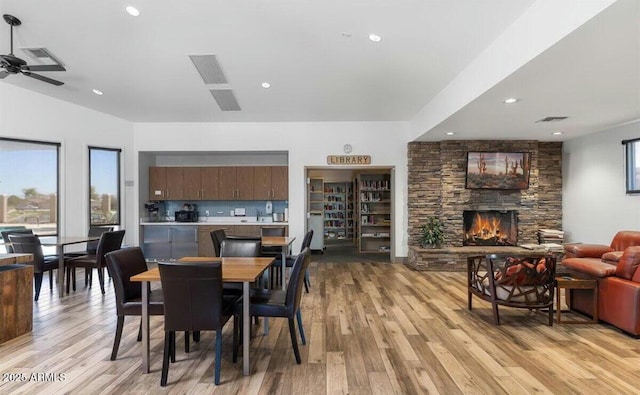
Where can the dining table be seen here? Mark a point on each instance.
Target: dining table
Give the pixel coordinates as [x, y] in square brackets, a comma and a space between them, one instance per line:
[237, 270]
[283, 242]
[60, 242]
[11, 258]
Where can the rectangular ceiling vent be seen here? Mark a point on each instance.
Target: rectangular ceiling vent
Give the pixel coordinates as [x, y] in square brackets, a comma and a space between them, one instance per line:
[226, 99]
[209, 69]
[43, 57]
[552, 119]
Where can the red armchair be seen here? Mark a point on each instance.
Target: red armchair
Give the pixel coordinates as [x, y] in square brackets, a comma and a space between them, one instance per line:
[615, 268]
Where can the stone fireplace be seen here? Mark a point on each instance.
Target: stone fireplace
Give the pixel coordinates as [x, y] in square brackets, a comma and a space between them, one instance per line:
[436, 187]
[490, 228]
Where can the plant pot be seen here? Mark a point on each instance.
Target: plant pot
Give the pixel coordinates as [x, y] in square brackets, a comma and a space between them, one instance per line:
[429, 246]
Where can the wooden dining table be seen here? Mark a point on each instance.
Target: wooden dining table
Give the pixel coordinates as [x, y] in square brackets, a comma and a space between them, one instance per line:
[244, 270]
[284, 243]
[60, 242]
[10, 259]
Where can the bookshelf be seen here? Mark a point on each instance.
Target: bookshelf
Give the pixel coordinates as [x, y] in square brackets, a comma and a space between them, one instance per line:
[338, 211]
[374, 212]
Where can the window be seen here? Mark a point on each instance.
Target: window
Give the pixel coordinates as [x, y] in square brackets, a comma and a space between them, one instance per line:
[104, 191]
[29, 186]
[633, 165]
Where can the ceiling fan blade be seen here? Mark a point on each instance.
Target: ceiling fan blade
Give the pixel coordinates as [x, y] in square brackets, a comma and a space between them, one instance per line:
[3, 74]
[44, 67]
[42, 78]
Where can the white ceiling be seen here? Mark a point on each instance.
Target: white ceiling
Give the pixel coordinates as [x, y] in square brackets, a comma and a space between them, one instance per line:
[317, 74]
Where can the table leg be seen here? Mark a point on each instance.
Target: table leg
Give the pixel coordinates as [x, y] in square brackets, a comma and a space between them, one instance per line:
[558, 304]
[60, 252]
[145, 327]
[284, 267]
[246, 323]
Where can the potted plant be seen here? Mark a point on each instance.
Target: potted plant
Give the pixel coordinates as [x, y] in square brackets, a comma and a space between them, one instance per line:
[432, 233]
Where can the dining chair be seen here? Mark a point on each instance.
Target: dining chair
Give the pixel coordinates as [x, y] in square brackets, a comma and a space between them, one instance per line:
[290, 259]
[109, 241]
[219, 235]
[240, 248]
[278, 303]
[92, 246]
[30, 244]
[123, 264]
[279, 231]
[194, 301]
[6, 233]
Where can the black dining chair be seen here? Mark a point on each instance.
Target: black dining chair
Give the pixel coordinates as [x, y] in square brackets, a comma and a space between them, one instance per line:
[109, 241]
[278, 303]
[6, 233]
[219, 235]
[123, 264]
[306, 243]
[30, 244]
[194, 301]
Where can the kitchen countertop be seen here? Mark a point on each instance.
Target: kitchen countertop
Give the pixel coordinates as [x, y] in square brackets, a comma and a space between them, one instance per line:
[216, 221]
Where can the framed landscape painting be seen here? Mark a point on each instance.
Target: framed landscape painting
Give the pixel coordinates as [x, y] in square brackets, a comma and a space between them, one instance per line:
[498, 170]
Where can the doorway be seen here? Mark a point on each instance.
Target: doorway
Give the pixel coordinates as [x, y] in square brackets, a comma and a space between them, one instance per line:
[351, 213]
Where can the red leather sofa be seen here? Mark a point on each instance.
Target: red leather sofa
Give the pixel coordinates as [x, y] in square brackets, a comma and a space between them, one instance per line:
[615, 267]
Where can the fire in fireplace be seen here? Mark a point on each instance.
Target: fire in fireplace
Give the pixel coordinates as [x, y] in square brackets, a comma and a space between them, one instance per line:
[490, 228]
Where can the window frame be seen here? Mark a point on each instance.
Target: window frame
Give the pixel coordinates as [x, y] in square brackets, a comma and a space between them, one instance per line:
[57, 146]
[119, 192]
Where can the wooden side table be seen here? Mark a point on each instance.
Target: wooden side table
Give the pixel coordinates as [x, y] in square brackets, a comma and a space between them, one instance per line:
[568, 282]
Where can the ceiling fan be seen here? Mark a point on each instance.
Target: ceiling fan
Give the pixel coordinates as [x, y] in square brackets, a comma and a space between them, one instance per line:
[11, 64]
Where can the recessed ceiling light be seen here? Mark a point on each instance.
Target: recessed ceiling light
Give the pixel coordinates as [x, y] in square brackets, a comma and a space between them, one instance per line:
[133, 11]
[375, 38]
[98, 92]
[265, 85]
[450, 133]
[510, 100]
[558, 133]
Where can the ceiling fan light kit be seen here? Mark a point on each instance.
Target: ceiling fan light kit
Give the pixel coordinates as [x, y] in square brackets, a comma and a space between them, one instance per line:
[11, 64]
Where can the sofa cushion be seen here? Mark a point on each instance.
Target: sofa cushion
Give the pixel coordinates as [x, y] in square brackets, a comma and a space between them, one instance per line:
[594, 267]
[586, 250]
[612, 257]
[628, 263]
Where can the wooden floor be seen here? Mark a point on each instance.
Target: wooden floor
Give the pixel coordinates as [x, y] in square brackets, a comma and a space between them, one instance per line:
[372, 328]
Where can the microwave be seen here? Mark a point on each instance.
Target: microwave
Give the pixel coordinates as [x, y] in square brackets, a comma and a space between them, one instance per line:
[186, 216]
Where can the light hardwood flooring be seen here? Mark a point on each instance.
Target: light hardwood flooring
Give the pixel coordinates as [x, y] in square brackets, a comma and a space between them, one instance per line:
[372, 328]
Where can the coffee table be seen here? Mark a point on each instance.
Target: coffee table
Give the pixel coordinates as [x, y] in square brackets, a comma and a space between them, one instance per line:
[567, 281]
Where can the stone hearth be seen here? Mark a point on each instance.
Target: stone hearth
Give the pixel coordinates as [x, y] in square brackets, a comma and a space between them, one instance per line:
[453, 259]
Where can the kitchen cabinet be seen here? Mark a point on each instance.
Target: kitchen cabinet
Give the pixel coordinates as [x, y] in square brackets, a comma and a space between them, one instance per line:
[236, 183]
[166, 183]
[280, 182]
[219, 183]
[192, 183]
[205, 244]
[271, 182]
[169, 242]
[210, 183]
[157, 183]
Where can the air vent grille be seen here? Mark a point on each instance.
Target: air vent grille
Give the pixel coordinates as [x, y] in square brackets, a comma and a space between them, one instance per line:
[552, 119]
[226, 99]
[42, 56]
[209, 69]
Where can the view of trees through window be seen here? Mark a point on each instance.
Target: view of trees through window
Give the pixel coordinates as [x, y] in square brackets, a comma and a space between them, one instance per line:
[104, 178]
[29, 185]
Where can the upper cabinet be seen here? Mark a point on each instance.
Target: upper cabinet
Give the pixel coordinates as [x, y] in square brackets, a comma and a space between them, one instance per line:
[219, 183]
[235, 183]
[166, 183]
[280, 182]
[271, 183]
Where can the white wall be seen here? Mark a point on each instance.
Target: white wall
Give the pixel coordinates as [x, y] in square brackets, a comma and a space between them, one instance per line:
[308, 145]
[28, 115]
[594, 203]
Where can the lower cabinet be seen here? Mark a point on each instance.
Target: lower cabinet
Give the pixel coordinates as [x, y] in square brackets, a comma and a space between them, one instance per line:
[205, 244]
[169, 242]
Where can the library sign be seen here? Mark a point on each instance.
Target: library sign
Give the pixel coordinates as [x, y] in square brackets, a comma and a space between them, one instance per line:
[349, 159]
